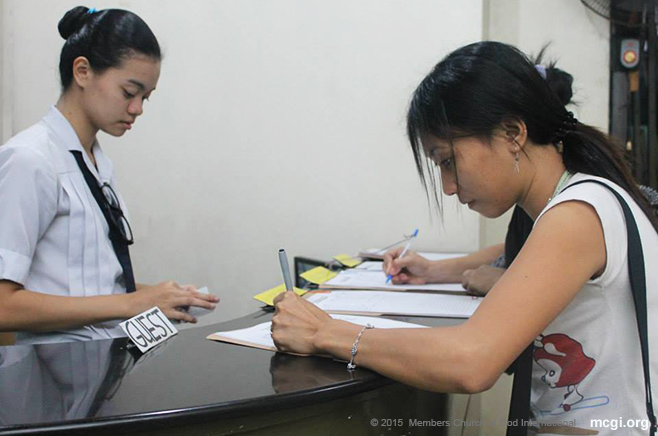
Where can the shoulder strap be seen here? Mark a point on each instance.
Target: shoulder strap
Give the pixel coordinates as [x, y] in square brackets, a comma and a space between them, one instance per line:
[118, 243]
[519, 408]
[520, 227]
[637, 277]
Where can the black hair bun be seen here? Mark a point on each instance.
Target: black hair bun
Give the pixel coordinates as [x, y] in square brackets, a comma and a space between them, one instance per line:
[560, 82]
[73, 21]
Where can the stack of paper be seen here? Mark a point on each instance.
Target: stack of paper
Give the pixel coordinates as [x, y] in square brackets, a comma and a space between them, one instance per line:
[372, 265]
[441, 256]
[394, 303]
[260, 336]
[372, 279]
[378, 253]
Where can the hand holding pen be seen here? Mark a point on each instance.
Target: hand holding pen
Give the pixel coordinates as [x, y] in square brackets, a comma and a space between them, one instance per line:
[404, 251]
[285, 269]
[404, 266]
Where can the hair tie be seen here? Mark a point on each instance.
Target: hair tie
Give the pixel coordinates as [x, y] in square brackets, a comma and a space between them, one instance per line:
[567, 126]
[91, 11]
[541, 70]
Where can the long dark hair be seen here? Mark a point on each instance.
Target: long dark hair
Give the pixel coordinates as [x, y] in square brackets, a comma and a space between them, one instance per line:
[105, 38]
[478, 87]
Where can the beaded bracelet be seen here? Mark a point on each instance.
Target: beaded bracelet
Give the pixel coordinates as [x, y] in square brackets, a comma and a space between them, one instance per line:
[351, 366]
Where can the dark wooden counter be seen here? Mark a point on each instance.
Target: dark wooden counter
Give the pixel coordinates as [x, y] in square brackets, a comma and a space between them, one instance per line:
[191, 385]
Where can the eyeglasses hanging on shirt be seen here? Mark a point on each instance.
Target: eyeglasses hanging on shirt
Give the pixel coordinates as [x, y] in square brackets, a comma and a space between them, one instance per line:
[121, 234]
[116, 214]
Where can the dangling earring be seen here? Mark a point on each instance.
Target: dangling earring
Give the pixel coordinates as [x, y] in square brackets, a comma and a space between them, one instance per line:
[517, 149]
[560, 147]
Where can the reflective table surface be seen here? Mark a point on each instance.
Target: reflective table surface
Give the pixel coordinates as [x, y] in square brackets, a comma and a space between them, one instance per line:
[108, 387]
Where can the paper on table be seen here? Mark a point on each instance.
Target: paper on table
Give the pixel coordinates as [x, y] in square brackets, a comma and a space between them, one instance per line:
[318, 275]
[442, 256]
[376, 253]
[347, 260]
[393, 303]
[373, 266]
[268, 296]
[259, 336]
[366, 279]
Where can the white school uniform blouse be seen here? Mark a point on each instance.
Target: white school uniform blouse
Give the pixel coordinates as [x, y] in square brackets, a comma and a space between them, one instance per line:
[53, 236]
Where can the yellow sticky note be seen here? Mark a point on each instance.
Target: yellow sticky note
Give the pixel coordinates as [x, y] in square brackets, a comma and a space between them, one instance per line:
[347, 260]
[268, 296]
[318, 275]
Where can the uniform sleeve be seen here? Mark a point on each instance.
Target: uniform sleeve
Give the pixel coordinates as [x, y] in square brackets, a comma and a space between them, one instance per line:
[28, 204]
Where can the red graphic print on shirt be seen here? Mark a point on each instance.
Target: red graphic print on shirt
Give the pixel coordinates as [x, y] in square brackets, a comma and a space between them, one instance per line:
[565, 363]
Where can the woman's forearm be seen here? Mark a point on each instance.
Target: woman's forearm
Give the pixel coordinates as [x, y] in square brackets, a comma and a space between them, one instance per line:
[451, 270]
[410, 356]
[24, 310]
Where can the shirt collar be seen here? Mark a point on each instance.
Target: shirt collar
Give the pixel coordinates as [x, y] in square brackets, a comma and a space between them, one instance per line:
[68, 140]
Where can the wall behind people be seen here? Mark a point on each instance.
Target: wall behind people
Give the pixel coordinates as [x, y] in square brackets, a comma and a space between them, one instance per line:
[275, 124]
[580, 43]
[4, 102]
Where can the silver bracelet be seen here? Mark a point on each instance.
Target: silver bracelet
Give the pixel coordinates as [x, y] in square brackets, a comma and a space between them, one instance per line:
[351, 366]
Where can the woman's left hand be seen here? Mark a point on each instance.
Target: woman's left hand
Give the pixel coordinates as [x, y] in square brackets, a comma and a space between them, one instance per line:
[295, 323]
[479, 281]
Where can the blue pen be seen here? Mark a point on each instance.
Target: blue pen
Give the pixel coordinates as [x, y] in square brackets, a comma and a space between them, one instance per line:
[406, 248]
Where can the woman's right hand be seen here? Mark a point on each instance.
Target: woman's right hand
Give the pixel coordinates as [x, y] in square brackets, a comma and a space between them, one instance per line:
[170, 297]
[412, 268]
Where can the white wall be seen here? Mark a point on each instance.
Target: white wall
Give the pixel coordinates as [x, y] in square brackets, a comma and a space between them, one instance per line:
[579, 42]
[275, 124]
[2, 67]
[5, 100]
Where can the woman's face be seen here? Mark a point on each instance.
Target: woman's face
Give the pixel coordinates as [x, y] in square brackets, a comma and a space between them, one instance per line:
[115, 98]
[481, 174]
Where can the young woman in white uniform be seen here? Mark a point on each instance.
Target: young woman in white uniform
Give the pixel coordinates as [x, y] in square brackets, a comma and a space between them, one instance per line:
[62, 278]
